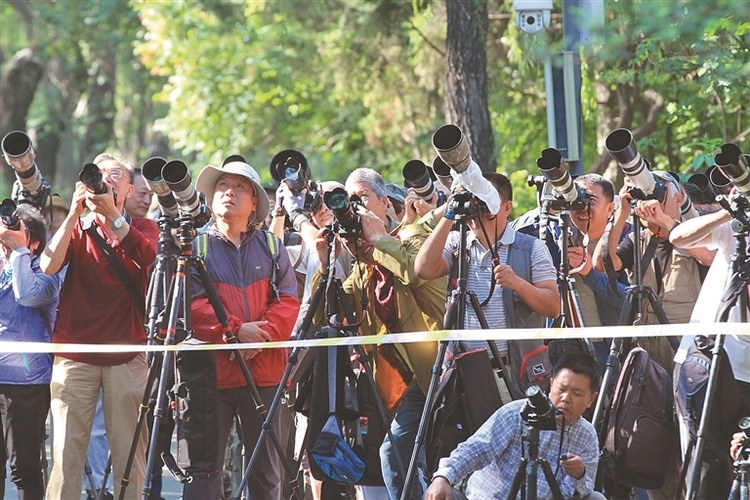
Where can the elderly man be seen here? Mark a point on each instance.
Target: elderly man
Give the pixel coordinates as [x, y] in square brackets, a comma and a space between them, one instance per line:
[241, 266]
[399, 301]
[108, 256]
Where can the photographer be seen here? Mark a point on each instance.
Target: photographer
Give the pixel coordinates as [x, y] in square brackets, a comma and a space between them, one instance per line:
[261, 305]
[399, 301]
[491, 456]
[28, 307]
[525, 274]
[101, 303]
[600, 305]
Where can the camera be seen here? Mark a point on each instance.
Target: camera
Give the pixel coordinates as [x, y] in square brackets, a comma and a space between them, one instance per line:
[92, 178]
[29, 187]
[622, 148]
[344, 209]
[291, 167]
[569, 196]
[734, 165]
[532, 15]
[177, 176]
[539, 411]
[462, 204]
[9, 216]
[745, 446]
[151, 171]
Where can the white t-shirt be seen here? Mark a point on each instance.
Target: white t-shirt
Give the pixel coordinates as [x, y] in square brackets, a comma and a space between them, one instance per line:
[706, 307]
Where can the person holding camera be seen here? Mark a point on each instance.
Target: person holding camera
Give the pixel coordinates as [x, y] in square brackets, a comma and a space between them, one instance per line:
[107, 255]
[399, 301]
[490, 458]
[28, 308]
[524, 271]
[259, 295]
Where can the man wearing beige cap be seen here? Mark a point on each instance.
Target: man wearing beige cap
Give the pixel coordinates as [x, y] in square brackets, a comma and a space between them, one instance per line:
[259, 293]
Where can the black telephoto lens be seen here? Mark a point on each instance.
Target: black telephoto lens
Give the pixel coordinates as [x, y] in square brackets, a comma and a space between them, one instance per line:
[9, 216]
[92, 177]
[417, 176]
[343, 209]
[720, 182]
[151, 170]
[294, 176]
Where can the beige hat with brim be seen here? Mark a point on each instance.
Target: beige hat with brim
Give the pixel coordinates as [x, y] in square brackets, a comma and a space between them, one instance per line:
[206, 183]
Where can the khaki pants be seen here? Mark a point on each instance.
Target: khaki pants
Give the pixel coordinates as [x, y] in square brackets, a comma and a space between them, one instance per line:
[74, 390]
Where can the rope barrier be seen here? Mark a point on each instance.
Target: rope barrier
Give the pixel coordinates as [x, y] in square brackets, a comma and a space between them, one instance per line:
[399, 338]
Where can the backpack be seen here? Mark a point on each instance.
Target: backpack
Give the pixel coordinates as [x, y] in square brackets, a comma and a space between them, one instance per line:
[467, 396]
[529, 365]
[641, 432]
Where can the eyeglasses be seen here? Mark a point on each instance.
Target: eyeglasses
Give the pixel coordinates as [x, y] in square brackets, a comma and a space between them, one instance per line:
[115, 174]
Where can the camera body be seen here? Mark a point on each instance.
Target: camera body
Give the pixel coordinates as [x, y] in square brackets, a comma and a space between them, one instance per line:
[539, 411]
[533, 15]
[345, 208]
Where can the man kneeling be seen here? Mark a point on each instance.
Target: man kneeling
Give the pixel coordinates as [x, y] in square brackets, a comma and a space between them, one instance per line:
[492, 455]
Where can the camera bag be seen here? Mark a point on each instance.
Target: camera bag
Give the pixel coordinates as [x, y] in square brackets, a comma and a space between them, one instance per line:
[331, 453]
[641, 432]
[466, 397]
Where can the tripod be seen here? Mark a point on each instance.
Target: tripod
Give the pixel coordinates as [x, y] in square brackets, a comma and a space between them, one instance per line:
[454, 319]
[180, 299]
[740, 489]
[528, 468]
[339, 297]
[159, 285]
[734, 293]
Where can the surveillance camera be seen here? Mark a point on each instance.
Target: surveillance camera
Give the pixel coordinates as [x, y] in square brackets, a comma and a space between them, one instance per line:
[532, 15]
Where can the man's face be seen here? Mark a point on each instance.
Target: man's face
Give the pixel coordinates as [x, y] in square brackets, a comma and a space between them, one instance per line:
[571, 393]
[593, 220]
[117, 177]
[370, 200]
[234, 198]
[139, 203]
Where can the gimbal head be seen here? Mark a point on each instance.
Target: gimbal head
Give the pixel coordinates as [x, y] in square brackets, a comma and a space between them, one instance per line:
[539, 411]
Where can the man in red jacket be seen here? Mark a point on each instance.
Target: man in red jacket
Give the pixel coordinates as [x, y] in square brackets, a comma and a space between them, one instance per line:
[98, 307]
[240, 264]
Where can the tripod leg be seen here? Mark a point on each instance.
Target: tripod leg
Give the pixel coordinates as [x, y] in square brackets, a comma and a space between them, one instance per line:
[518, 479]
[505, 374]
[627, 313]
[551, 481]
[656, 306]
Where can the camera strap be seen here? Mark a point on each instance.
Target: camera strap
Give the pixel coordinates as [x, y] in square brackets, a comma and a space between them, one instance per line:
[138, 299]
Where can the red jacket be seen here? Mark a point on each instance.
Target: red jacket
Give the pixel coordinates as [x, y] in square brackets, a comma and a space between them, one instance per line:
[241, 277]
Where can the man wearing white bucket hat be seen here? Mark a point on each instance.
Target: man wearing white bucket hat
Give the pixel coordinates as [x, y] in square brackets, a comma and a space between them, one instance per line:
[251, 272]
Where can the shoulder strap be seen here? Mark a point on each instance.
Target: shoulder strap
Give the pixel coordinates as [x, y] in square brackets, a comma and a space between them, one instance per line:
[274, 245]
[119, 268]
[200, 246]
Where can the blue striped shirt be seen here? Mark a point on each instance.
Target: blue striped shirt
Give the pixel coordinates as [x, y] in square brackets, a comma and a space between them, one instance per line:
[493, 454]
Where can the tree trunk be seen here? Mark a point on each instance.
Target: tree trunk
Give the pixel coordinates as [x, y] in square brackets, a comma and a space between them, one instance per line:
[466, 102]
[101, 105]
[17, 89]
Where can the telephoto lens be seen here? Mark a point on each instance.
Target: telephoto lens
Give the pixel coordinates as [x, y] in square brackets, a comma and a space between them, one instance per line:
[151, 170]
[442, 172]
[92, 177]
[9, 216]
[177, 177]
[701, 181]
[622, 148]
[734, 165]
[720, 182]
[417, 175]
[294, 175]
[20, 155]
[452, 147]
[553, 167]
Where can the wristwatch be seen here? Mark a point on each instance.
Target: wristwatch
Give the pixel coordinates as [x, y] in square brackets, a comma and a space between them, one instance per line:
[118, 222]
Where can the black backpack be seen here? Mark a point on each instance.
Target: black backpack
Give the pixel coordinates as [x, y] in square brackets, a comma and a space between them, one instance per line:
[641, 432]
[467, 396]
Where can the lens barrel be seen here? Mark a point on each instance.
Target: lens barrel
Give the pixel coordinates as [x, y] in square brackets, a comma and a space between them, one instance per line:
[92, 177]
[417, 175]
[341, 206]
[622, 148]
[452, 147]
[20, 155]
[552, 166]
[734, 165]
[177, 177]
[442, 172]
[8, 215]
[151, 171]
